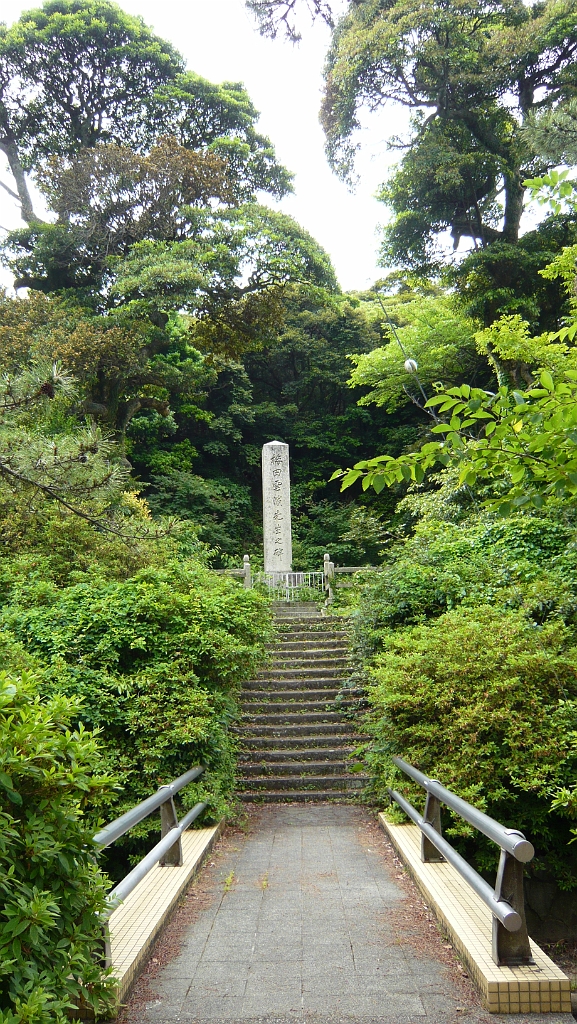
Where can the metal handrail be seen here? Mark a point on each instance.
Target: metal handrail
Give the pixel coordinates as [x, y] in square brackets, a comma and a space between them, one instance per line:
[122, 825]
[507, 838]
[168, 851]
[500, 908]
[506, 902]
[130, 881]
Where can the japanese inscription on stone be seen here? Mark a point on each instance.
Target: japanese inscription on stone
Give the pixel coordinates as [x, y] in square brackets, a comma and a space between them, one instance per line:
[276, 502]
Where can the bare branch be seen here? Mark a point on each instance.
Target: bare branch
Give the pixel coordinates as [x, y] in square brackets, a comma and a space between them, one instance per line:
[9, 191]
[280, 15]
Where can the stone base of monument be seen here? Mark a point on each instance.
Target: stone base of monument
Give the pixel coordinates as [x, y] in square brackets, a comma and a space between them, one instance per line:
[296, 610]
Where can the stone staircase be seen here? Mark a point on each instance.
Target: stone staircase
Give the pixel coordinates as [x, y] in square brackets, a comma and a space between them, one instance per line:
[295, 742]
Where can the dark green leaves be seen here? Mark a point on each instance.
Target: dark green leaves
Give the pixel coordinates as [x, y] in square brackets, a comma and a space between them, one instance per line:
[51, 892]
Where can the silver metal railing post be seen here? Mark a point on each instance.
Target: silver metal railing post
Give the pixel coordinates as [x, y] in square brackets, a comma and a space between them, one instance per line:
[510, 944]
[432, 817]
[168, 821]
[510, 947]
[121, 825]
[168, 852]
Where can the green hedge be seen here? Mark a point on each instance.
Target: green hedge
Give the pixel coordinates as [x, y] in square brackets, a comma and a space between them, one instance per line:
[467, 643]
[51, 889]
[158, 660]
[485, 701]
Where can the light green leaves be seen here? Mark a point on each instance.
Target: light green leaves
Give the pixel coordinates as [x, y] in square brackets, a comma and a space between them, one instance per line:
[525, 440]
[554, 190]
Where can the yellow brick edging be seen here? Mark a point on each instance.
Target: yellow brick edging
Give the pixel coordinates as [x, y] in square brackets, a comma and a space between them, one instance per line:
[135, 924]
[464, 918]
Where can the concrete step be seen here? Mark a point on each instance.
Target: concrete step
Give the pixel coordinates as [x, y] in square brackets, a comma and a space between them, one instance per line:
[313, 671]
[296, 754]
[308, 782]
[294, 742]
[290, 717]
[327, 626]
[323, 664]
[295, 608]
[299, 739]
[276, 694]
[279, 686]
[312, 653]
[300, 796]
[316, 653]
[253, 731]
[318, 642]
[314, 683]
[298, 769]
[272, 706]
[304, 658]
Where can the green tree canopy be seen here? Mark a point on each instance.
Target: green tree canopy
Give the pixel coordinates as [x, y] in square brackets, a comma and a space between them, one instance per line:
[106, 199]
[471, 73]
[431, 330]
[75, 73]
[478, 80]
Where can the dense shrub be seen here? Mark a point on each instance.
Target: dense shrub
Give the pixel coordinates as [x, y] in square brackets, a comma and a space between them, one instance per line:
[51, 890]
[157, 660]
[467, 642]
[525, 561]
[486, 701]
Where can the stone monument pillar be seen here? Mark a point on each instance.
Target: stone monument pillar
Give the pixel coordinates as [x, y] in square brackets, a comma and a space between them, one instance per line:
[276, 507]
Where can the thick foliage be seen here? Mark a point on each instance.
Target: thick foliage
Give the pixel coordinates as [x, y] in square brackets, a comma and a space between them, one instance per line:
[51, 890]
[157, 660]
[138, 92]
[525, 562]
[485, 701]
[434, 332]
[466, 643]
[471, 73]
[523, 443]
[203, 463]
[505, 278]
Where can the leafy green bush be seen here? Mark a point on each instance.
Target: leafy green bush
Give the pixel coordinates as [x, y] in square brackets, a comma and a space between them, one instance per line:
[484, 700]
[466, 641]
[524, 561]
[157, 660]
[51, 890]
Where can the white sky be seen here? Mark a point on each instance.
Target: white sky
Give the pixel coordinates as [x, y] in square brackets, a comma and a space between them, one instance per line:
[219, 41]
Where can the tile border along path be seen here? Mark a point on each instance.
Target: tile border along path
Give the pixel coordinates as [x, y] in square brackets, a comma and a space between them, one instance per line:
[309, 917]
[468, 922]
[135, 924]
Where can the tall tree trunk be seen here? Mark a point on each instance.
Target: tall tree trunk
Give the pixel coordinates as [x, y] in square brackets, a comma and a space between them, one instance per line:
[514, 194]
[9, 148]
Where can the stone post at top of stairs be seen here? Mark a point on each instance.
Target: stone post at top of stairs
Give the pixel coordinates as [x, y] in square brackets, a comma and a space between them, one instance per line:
[276, 507]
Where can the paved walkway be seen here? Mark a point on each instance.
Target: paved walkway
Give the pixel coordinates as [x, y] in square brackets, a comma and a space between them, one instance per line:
[302, 925]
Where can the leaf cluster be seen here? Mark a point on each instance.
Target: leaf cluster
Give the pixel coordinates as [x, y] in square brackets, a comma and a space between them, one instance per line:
[157, 659]
[51, 891]
[526, 439]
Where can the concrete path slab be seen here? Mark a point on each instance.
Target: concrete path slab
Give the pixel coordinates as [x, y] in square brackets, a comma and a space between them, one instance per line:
[304, 924]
